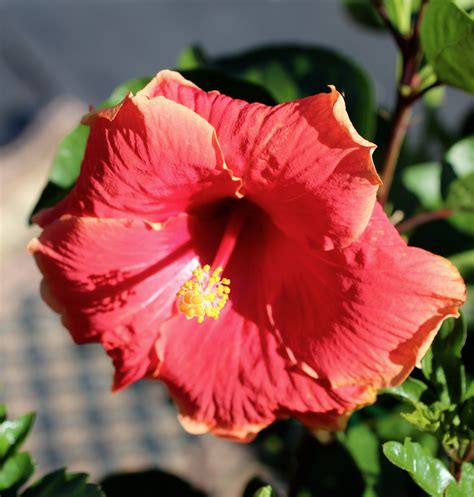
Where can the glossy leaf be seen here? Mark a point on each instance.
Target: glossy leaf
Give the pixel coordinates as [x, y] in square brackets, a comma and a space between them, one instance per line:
[192, 57]
[209, 79]
[465, 487]
[461, 200]
[63, 484]
[289, 72]
[429, 473]
[363, 445]
[362, 12]
[447, 36]
[464, 261]
[443, 365]
[130, 86]
[14, 432]
[424, 180]
[461, 156]
[264, 492]
[426, 418]
[67, 161]
[15, 471]
[461, 194]
[410, 390]
[399, 12]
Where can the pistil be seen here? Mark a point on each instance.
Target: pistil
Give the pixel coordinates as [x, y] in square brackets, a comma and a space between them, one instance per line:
[206, 293]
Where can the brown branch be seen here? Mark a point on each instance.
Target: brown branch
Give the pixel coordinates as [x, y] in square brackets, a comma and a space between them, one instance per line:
[424, 217]
[417, 95]
[412, 55]
[400, 40]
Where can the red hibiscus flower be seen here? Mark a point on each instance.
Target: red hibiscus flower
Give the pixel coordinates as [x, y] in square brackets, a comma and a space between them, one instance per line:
[236, 252]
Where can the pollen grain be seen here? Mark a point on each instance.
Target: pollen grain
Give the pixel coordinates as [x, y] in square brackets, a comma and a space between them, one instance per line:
[204, 294]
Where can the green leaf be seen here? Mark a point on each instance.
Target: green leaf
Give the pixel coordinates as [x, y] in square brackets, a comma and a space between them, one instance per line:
[290, 72]
[410, 390]
[461, 199]
[3, 412]
[424, 180]
[447, 37]
[362, 12]
[426, 418]
[363, 445]
[443, 365]
[465, 487]
[461, 194]
[466, 483]
[63, 484]
[399, 12]
[67, 161]
[192, 57]
[429, 473]
[461, 156]
[464, 261]
[15, 471]
[14, 432]
[210, 79]
[264, 492]
[130, 86]
[459, 167]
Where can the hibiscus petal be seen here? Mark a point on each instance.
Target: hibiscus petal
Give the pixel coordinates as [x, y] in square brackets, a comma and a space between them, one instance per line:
[230, 376]
[365, 314]
[114, 281]
[146, 159]
[302, 161]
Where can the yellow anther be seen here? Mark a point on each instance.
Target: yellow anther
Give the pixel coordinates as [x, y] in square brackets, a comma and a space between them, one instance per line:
[204, 294]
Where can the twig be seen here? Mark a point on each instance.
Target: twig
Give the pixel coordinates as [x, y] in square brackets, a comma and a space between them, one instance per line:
[400, 40]
[411, 58]
[424, 217]
[416, 96]
[398, 129]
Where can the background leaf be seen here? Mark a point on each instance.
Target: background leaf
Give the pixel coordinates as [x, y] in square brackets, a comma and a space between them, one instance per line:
[447, 37]
[443, 365]
[290, 72]
[150, 482]
[63, 484]
[264, 492]
[15, 471]
[461, 199]
[424, 180]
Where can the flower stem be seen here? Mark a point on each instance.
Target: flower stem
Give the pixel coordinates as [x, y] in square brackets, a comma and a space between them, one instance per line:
[407, 94]
[398, 129]
[457, 459]
[424, 217]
